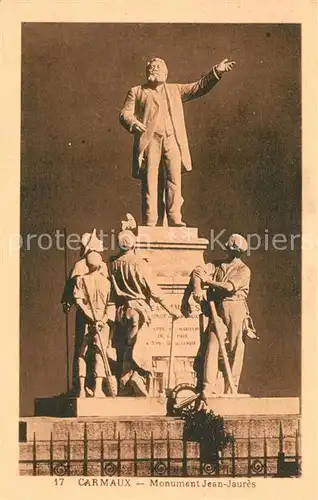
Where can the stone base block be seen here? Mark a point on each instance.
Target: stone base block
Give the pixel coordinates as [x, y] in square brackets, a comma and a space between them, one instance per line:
[145, 407]
[99, 407]
[159, 427]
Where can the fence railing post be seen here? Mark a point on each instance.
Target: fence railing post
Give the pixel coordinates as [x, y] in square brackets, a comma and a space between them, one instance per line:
[184, 457]
[152, 453]
[249, 457]
[201, 459]
[51, 455]
[233, 455]
[118, 454]
[265, 454]
[101, 453]
[68, 454]
[135, 455]
[297, 452]
[85, 468]
[34, 455]
[281, 454]
[168, 454]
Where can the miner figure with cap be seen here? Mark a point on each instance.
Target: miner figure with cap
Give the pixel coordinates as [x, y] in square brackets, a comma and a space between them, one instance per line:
[228, 284]
[134, 286]
[91, 297]
[90, 243]
[153, 113]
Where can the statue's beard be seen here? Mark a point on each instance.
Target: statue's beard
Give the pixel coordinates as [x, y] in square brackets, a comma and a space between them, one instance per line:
[157, 78]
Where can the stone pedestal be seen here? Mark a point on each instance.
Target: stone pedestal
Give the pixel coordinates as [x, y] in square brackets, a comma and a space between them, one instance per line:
[172, 254]
[140, 407]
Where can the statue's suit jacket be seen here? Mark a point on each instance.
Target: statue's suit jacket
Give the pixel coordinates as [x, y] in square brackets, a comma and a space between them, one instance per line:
[141, 104]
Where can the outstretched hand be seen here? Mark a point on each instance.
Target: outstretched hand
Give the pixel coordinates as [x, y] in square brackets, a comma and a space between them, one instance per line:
[225, 66]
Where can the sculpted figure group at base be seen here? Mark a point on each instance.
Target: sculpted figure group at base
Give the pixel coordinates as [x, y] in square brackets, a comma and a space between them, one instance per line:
[112, 355]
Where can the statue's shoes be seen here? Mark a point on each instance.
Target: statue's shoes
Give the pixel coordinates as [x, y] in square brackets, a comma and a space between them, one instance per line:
[228, 391]
[177, 224]
[138, 385]
[99, 394]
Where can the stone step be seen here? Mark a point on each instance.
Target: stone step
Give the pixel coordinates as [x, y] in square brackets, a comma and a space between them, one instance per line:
[159, 427]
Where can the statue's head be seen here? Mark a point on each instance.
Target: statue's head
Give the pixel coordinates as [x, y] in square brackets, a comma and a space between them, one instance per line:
[236, 245]
[91, 243]
[156, 70]
[94, 261]
[126, 240]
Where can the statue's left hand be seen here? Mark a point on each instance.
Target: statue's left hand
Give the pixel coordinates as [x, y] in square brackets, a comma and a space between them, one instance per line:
[225, 66]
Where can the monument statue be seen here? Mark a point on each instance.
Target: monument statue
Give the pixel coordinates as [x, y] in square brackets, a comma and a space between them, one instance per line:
[228, 283]
[134, 286]
[153, 112]
[89, 244]
[91, 295]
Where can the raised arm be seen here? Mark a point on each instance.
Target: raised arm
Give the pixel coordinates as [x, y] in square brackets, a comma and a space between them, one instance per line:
[237, 282]
[199, 276]
[197, 89]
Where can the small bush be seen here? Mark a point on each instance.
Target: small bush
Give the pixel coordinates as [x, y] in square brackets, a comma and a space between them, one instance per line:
[207, 429]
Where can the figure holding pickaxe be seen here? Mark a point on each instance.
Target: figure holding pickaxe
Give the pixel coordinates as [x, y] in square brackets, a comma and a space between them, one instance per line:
[230, 323]
[91, 296]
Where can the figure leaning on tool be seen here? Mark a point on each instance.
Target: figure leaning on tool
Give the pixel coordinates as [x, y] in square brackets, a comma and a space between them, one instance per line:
[91, 296]
[228, 287]
[134, 286]
[90, 243]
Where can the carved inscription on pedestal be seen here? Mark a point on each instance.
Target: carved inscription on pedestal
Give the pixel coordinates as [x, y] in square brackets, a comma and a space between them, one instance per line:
[186, 331]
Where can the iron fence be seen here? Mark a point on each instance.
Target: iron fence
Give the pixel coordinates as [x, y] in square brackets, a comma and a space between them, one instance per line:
[165, 457]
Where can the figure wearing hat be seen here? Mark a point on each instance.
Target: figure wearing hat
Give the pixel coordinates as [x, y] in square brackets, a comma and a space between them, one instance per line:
[228, 284]
[134, 286]
[89, 244]
[91, 297]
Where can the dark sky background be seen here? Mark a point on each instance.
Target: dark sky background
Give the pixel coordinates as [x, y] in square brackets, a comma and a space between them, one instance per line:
[245, 142]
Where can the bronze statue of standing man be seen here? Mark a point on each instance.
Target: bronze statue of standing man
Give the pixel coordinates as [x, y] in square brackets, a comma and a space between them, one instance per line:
[153, 112]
